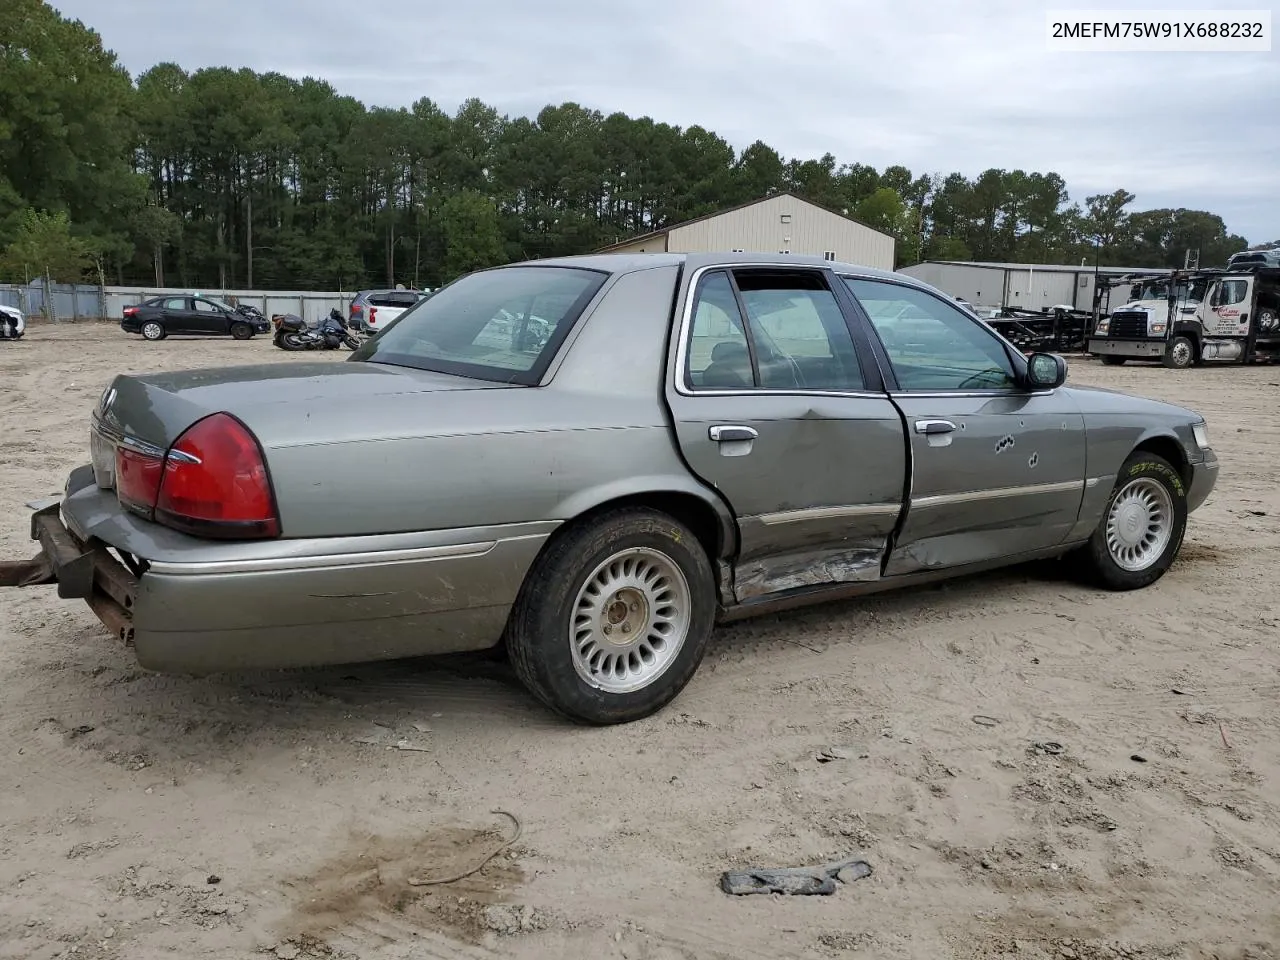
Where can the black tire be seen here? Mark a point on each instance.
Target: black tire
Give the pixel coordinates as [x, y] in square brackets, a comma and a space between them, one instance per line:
[1267, 325]
[153, 330]
[1114, 361]
[351, 342]
[1179, 353]
[241, 331]
[538, 635]
[1095, 560]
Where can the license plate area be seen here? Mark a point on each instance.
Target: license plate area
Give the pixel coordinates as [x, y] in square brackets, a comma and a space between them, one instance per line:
[103, 453]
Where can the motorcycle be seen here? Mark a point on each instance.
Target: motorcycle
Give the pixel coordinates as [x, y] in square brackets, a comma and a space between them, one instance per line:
[294, 333]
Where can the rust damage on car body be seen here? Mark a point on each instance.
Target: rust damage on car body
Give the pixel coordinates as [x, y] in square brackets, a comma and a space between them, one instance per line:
[83, 571]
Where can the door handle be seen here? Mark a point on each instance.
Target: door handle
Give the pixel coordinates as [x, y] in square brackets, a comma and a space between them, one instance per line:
[725, 433]
[934, 427]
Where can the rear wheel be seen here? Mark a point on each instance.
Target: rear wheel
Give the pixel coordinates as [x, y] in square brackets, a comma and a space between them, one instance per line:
[615, 617]
[1179, 353]
[1114, 361]
[153, 330]
[241, 331]
[1142, 526]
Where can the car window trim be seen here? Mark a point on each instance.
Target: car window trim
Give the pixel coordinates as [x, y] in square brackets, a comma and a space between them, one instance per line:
[1016, 360]
[873, 384]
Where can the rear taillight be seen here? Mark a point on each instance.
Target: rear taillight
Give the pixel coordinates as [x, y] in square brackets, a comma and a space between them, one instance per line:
[357, 308]
[215, 483]
[373, 316]
[211, 483]
[130, 311]
[138, 476]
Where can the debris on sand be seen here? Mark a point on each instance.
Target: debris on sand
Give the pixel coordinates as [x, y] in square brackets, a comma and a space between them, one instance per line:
[794, 881]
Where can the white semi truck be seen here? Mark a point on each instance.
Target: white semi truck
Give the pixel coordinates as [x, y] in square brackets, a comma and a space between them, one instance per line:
[1191, 317]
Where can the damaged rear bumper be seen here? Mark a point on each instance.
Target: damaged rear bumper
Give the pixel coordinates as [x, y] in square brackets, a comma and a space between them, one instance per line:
[82, 570]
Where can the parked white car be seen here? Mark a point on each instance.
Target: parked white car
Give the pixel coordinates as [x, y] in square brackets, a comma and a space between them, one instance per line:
[12, 323]
[372, 310]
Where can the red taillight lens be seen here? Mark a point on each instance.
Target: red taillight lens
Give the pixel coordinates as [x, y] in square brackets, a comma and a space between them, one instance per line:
[138, 477]
[373, 315]
[130, 311]
[357, 308]
[215, 483]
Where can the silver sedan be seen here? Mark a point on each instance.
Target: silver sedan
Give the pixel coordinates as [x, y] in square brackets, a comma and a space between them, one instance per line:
[592, 461]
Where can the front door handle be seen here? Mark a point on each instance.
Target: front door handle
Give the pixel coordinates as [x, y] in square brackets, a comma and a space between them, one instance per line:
[725, 433]
[934, 427]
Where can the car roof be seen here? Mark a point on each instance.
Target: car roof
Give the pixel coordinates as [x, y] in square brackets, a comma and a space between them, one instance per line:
[631, 262]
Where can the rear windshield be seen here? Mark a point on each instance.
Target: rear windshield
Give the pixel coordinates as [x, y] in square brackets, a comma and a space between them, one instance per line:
[503, 325]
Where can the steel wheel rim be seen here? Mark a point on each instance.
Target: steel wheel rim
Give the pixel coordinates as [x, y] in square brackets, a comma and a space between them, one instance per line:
[630, 620]
[154, 328]
[1139, 524]
[1182, 353]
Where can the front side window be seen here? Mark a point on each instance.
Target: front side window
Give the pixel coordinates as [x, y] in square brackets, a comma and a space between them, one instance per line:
[1233, 292]
[206, 306]
[503, 325]
[931, 344]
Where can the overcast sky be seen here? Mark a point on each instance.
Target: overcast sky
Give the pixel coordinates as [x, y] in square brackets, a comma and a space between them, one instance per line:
[935, 85]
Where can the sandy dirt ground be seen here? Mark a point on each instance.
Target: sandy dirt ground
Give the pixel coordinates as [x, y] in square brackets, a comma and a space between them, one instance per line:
[283, 815]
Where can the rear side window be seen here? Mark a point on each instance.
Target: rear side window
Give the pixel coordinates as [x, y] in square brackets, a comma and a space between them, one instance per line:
[769, 330]
[174, 303]
[501, 325]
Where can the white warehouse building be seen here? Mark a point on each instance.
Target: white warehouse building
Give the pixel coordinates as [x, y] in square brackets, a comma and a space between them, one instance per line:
[781, 223]
[1029, 286]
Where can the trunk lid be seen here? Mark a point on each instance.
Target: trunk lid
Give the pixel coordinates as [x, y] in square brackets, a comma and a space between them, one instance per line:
[291, 403]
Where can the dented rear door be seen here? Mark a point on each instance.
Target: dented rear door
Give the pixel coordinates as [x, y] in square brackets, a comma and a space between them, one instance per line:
[778, 413]
[996, 471]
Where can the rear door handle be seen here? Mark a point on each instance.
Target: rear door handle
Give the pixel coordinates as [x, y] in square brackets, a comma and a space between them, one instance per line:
[725, 433]
[932, 427]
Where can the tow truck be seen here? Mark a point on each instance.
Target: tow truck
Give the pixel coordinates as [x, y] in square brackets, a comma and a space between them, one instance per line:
[1206, 315]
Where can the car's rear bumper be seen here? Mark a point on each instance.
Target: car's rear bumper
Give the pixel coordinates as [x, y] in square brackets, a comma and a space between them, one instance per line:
[203, 607]
[82, 571]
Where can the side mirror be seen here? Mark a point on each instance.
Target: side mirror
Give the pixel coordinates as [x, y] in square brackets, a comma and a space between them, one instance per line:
[1046, 371]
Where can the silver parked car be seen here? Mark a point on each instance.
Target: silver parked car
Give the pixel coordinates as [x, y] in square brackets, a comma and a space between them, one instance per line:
[687, 439]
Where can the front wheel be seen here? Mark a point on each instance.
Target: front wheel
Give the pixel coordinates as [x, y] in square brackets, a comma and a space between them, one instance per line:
[291, 341]
[241, 331]
[614, 618]
[1142, 526]
[1179, 353]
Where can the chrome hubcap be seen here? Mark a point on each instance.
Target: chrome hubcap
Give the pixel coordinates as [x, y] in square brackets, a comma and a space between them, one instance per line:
[1182, 353]
[630, 620]
[1139, 524]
